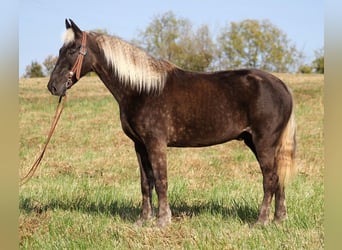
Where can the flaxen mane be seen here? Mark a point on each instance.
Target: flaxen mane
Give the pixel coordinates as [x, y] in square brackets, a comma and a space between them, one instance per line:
[133, 65]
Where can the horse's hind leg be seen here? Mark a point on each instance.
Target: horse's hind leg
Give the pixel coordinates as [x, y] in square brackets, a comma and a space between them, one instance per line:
[147, 183]
[280, 205]
[266, 158]
[247, 138]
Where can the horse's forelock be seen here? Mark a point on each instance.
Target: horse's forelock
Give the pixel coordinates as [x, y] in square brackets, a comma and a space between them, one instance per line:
[68, 36]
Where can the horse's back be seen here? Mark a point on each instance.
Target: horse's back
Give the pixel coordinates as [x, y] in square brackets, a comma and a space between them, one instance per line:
[240, 89]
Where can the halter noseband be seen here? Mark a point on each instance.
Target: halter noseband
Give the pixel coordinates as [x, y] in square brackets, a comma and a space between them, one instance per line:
[76, 69]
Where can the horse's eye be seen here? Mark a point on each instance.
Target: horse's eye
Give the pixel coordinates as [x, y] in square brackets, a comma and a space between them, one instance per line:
[71, 51]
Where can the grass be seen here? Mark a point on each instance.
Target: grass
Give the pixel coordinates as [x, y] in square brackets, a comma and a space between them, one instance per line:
[86, 193]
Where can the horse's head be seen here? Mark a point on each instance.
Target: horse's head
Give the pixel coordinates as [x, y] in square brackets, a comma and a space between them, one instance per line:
[73, 62]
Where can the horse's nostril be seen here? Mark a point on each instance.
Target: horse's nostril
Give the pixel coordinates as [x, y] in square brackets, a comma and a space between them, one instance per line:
[52, 88]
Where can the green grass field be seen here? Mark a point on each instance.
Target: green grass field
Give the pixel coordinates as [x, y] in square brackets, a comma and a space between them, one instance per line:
[86, 193]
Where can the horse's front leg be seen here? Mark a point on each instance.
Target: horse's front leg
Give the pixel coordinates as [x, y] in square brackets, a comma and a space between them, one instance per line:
[157, 155]
[147, 183]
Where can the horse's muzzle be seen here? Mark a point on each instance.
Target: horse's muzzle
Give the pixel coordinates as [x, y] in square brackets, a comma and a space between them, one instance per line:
[57, 90]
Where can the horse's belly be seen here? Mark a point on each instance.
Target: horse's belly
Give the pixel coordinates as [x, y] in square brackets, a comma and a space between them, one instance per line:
[207, 121]
[200, 137]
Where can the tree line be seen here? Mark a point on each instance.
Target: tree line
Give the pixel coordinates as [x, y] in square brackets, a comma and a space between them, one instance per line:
[246, 44]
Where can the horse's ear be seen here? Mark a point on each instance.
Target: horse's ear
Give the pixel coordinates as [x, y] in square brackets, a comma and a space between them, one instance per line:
[75, 28]
[67, 24]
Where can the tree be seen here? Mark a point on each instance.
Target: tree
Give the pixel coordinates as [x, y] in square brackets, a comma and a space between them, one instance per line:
[256, 44]
[174, 39]
[318, 63]
[34, 70]
[196, 51]
[305, 69]
[49, 64]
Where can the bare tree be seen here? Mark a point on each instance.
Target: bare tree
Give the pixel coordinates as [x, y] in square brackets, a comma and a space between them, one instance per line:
[49, 64]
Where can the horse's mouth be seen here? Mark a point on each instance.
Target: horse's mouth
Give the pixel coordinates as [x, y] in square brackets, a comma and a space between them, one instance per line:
[54, 90]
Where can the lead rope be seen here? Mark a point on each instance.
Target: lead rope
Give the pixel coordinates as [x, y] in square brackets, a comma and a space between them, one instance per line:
[35, 165]
[76, 69]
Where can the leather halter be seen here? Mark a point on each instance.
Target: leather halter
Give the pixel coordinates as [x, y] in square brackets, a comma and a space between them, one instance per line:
[76, 69]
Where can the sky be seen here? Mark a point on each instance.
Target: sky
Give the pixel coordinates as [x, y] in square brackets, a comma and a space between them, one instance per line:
[41, 23]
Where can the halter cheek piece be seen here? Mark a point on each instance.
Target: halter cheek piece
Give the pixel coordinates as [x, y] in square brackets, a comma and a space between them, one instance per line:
[76, 69]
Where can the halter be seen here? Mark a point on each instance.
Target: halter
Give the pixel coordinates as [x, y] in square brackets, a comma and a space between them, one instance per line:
[76, 69]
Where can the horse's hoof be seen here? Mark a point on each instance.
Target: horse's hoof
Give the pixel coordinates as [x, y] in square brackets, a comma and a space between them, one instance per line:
[139, 223]
[143, 222]
[163, 222]
[261, 222]
[280, 219]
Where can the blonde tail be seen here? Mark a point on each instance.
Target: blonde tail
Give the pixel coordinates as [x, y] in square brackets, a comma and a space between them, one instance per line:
[285, 156]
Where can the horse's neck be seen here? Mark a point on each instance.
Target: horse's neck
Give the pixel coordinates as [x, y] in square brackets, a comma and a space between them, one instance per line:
[119, 90]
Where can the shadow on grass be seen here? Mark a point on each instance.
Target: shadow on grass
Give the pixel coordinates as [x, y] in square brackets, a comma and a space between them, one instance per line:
[129, 211]
[235, 210]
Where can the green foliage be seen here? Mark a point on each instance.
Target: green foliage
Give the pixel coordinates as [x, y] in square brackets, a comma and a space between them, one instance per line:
[34, 70]
[318, 63]
[161, 36]
[256, 44]
[305, 69]
[174, 39]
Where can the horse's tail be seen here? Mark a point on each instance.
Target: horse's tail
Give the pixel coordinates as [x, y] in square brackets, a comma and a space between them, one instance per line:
[285, 156]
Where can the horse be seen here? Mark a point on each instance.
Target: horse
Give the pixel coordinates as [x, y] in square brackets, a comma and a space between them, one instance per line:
[161, 105]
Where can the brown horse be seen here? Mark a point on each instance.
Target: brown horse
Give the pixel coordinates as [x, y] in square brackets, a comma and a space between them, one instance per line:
[163, 106]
